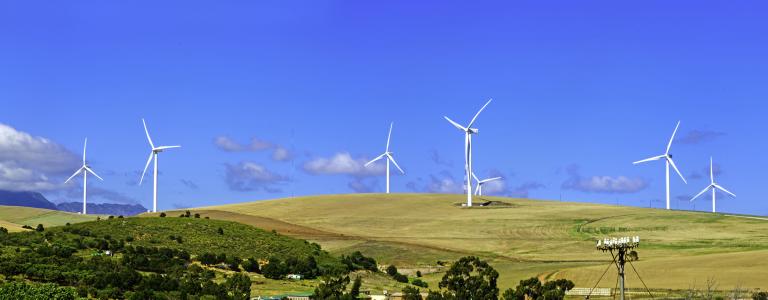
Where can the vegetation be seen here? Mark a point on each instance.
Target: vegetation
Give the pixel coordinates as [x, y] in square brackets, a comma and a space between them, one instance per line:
[470, 278]
[14, 218]
[534, 290]
[128, 258]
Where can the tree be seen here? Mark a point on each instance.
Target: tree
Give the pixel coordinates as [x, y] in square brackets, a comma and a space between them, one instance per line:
[20, 290]
[760, 296]
[411, 293]
[471, 278]
[239, 286]
[162, 215]
[633, 256]
[332, 288]
[420, 283]
[392, 270]
[251, 265]
[418, 274]
[533, 289]
[40, 228]
[275, 269]
[220, 231]
[354, 292]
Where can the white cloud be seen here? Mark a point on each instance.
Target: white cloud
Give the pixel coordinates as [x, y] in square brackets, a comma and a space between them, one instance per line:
[343, 164]
[27, 162]
[603, 184]
[250, 176]
[281, 154]
[225, 143]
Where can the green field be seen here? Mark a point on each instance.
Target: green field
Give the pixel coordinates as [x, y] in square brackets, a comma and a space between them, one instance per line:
[14, 217]
[527, 238]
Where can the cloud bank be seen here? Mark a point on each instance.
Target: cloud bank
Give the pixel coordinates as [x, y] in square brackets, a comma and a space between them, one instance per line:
[602, 184]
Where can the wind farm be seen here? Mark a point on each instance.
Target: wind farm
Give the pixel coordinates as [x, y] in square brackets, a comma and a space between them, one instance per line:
[576, 188]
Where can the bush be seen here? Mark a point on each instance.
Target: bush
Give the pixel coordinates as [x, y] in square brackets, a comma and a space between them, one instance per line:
[220, 231]
[418, 274]
[20, 290]
[40, 228]
[251, 265]
[392, 270]
[358, 261]
[162, 215]
[411, 293]
[400, 278]
[471, 278]
[420, 283]
[760, 296]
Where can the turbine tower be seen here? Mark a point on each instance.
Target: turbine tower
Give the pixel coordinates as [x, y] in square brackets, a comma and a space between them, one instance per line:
[668, 158]
[85, 169]
[480, 183]
[468, 132]
[388, 155]
[714, 186]
[153, 156]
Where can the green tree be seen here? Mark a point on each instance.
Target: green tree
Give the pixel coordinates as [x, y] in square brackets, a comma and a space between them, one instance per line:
[392, 270]
[332, 288]
[471, 278]
[20, 290]
[354, 292]
[411, 293]
[760, 296]
[239, 286]
[40, 228]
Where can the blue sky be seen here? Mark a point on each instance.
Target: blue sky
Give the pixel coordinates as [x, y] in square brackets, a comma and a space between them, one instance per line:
[580, 89]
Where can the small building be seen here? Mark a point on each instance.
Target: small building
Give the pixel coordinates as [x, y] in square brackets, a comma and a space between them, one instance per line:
[293, 277]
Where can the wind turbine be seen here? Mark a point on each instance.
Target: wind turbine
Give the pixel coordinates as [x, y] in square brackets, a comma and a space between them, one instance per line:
[668, 158]
[85, 169]
[714, 186]
[388, 155]
[153, 155]
[480, 183]
[468, 132]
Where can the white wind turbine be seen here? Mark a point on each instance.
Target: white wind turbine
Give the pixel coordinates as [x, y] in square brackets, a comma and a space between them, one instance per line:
[668, 158]
[85, 169]
[480, 183]
[468, 132]
[714, 186]
[388, 155]
[153, 155]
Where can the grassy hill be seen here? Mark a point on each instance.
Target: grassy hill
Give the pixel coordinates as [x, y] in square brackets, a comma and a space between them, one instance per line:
[14, 217]
[526, 238]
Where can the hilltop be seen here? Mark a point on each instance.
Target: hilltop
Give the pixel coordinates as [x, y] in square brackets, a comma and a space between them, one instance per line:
[14, 217]
[523, 238]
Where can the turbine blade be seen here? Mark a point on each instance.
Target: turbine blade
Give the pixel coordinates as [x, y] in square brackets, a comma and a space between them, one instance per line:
[394, 162]
[478, 113]
[475, 177]
[85, 146]
[702, 193]
[477, 189]
[491, 179]
[456, 124]
[711, 170]
[389, 137]
[147, 132]
[94, 173]
[145, 167]
[723, 189]
[375, 159]
[648, 159]
[672, 162]
[669, 146]
[73, 175]
[166, 147]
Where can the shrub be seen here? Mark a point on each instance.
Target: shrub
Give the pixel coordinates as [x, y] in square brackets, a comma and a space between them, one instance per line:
[40, 228]
[392, 270]
[420, 283]
[162, 215]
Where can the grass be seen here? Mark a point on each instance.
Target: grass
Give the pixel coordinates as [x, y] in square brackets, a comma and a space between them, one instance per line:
[14, 217]
[529, 238]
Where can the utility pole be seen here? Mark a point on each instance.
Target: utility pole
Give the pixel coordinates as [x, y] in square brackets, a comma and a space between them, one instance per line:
[618, 247]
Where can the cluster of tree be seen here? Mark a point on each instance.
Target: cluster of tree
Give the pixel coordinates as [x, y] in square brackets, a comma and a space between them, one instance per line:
[395, 274]
[231, 262]
[307, 267]
[357, 261]
[49, 258]
[335, 288]
[21, 290]
[472, 278]
[533, 289]
[187, 214]
[760, 296]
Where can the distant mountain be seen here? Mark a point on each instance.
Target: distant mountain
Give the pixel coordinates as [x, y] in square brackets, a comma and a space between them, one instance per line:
[104, 208]
[28, 199]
